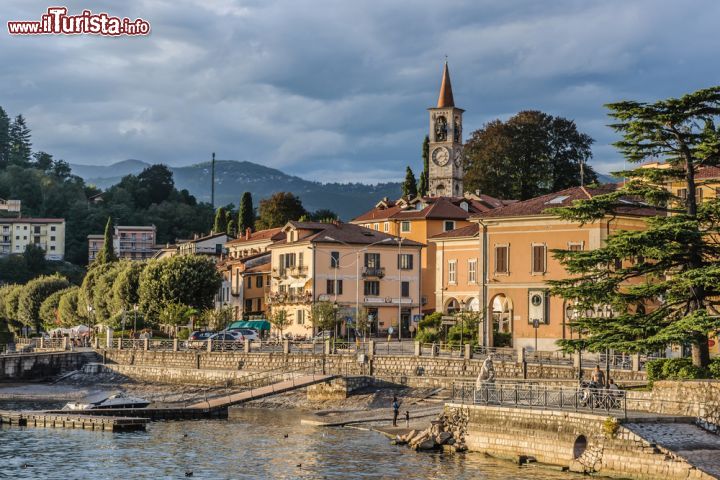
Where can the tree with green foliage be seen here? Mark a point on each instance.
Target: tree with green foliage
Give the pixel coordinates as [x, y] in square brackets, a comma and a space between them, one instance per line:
[68, 311]
[246, 214]
[9, 301]
[409, 186]
[43, 161]
[191, 280]
[49, 309]
[126, 285]
[107, 253]
[279, 209]
[424, 183]
[529, 155]
[279, 319]
[20, 144]
[323, 215]
[221, 218]
[323, 316]
[4, 139]
[667, 288]
[176, 314]
[155, 185]
[33, 294]
[34, 257]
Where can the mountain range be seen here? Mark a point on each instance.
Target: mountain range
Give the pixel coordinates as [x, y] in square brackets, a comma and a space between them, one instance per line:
[232, 178]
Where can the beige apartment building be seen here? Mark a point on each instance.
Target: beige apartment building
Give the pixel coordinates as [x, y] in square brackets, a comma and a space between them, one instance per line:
[351, 267]
[246, 273]
[501, 264]
[47, 233]
[129, 242]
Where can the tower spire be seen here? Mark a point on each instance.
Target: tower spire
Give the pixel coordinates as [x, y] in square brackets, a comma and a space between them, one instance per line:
[445, 99]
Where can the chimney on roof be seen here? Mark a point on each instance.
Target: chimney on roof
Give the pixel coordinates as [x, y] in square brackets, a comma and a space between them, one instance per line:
[247, 233]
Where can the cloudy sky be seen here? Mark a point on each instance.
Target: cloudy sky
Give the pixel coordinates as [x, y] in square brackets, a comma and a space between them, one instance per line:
[337, 89]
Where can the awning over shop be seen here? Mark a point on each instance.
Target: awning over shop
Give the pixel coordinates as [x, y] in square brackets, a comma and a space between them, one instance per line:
[256, 324]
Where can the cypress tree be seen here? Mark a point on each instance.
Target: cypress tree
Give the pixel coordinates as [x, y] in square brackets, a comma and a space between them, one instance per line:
[424, 184]
[220, 224]
[107, 254]
[409, 188]
[246, 214]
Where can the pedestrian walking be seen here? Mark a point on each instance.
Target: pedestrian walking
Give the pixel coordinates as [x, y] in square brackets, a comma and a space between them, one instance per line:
[407, 418]
[396, 410]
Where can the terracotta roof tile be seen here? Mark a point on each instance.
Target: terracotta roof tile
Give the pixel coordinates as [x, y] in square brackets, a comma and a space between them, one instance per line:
[466, 231]
[564, 198]
[268, 234]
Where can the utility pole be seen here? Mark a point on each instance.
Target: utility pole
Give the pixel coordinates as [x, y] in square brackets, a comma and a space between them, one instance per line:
[212, 187]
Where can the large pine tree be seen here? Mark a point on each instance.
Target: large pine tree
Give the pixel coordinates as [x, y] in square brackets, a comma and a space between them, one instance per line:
[20, 145]
[246, 214]
[663, 283]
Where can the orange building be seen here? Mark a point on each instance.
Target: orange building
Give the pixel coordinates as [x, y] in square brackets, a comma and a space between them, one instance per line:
[500, 266]
[419, 219]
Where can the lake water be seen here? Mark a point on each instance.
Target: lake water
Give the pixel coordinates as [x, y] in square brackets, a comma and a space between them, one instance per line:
[251, 446]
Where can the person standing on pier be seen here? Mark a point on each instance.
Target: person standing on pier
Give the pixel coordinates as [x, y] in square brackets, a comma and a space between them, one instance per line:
[396, 410]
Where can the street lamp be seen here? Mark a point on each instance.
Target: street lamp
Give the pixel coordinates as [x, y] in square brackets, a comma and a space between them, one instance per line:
[135, 308]
[462, 321]
[357, 266]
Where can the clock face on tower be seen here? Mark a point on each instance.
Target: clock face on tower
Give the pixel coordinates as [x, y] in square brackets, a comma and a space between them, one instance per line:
[440, 156]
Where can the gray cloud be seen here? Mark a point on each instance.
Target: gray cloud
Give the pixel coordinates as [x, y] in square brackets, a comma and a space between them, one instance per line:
[338, 90]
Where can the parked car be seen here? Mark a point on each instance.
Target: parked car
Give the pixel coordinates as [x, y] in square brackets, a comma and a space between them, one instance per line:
[249, 333]
[228, 336]
[198, 335]
[324, 335]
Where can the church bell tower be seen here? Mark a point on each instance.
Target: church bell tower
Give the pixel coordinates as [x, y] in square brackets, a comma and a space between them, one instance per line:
[446, 162]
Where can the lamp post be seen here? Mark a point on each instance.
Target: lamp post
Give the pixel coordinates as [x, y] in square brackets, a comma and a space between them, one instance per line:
[135, 308]
[462, 322]
[399, 240]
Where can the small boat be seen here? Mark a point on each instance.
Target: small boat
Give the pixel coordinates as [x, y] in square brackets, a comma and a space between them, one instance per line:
[117, 400]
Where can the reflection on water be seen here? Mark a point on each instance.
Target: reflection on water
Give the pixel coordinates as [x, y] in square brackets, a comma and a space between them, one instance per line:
[252, 446]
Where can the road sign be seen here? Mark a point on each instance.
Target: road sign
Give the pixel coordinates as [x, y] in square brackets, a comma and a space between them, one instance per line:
[391, 330]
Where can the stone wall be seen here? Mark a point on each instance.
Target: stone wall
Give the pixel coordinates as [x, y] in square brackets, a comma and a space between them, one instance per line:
[582, 442]
[337, 388]
[393, 368]
[37, 366]
[183, 376]
[693, 398]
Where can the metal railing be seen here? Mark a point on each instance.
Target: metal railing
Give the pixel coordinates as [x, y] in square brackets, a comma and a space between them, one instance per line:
[548, 358]
[500, 354]
[539, 396]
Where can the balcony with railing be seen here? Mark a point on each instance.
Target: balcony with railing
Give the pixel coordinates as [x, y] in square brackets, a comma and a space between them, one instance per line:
[278, 272]
[373, 272]
[298, 271]
[288, 298]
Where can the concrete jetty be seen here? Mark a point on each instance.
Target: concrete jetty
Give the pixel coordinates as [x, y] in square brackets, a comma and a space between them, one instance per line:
[66, 420]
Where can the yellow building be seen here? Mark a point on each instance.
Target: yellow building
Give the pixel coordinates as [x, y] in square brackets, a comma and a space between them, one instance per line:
[350, 267]
[500, 266]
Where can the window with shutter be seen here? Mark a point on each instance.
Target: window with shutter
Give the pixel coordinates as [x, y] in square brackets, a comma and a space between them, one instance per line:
[405, 289]
[538, 259]
[501, 259]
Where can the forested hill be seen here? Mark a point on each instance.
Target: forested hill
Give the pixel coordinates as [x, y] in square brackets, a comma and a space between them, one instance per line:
[235, 177]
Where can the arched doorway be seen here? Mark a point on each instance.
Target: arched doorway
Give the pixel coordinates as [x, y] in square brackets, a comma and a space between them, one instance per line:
[452, 306]
[502, 318]
[472, 305]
